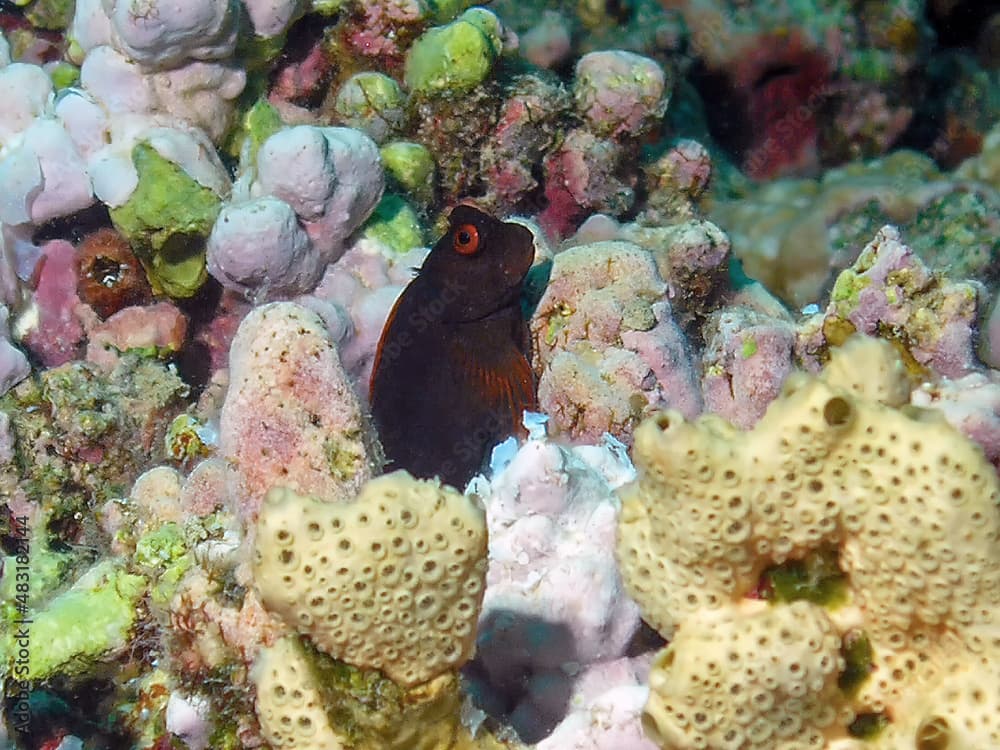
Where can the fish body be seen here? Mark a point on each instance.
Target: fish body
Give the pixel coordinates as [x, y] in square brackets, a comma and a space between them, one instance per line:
[452, 374]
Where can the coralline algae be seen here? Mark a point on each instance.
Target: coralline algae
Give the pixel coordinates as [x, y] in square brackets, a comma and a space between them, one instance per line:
[756, 275]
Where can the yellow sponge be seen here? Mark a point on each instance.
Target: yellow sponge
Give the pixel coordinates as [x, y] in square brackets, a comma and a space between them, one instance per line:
[290, 703]
[392, 581]
[749, 676]
[909, 506]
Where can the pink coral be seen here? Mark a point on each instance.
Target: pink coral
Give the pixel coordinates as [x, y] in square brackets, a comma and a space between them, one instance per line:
[291, 417]
[298, 81]
[380, 25]
[606, 346]
[890, 291]
[581, 176]
[971, 404]
[526, 128]
[161, 326]
[747, 358]
[58, 336]
[619, 93]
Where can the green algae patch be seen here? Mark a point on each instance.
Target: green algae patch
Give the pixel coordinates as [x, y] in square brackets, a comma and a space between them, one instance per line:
[411, 166]
[455, 58]
[85, 623]
[345, 454]
[81, 436]
[45, 572]
[749, 347]
[188, 438]
[858, 659]
[394, 224]
[817, 578]
[166, 221]
[443, 11]
[51, 15]
[847, 289]
[64, 75]
[163, 555]
[868, 726]
[374, 713]
[257, 124]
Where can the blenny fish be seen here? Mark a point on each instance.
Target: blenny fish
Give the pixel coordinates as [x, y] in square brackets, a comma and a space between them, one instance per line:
[452, 372]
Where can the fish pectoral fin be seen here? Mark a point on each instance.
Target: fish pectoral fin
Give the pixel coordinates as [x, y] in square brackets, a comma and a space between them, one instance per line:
[506, 386]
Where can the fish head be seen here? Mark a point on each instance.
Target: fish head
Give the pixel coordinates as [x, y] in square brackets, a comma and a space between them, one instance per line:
[479, 265]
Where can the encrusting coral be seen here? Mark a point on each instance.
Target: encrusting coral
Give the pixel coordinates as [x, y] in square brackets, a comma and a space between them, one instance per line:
[289, 702]
[291, 417]
[755, 660]
[839, 466]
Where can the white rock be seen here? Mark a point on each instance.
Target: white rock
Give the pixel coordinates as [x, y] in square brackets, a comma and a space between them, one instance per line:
[119, 85]
[162, 34]
[65, 186]
[84, 119]
[202, 93]
[89, 28]
[187, 717]
[294, 164]
[20, 180]
[4, 51]
[552, 519]
[191, 150]
[258, 248]
[114, 176]
[26, 92]
[272, 17]
[332, 177]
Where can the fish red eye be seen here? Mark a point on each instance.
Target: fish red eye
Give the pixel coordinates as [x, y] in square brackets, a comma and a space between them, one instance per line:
[466, 239]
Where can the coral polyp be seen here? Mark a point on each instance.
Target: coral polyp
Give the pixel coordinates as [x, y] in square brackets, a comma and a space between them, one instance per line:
[110, 277]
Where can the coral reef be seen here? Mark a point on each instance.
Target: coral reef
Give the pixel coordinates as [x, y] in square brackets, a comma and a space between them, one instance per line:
[403, 589]
[795, 235]
[765, 265]
[889, 292]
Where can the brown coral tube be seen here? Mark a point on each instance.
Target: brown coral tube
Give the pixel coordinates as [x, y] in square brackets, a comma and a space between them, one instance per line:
[109, 276]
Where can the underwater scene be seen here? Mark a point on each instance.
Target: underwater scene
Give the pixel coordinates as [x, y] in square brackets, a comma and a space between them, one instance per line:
[537, 374]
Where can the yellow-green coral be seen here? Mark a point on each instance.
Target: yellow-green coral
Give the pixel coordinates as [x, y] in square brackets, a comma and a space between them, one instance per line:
[89, 621]
[307, 700]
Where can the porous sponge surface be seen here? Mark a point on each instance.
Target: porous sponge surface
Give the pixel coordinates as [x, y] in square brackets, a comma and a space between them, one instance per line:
[749, 676]
[392, 581]
[290, 703]
[909, 505]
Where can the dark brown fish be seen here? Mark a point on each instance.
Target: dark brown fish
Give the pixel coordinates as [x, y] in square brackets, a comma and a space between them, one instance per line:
[452, 373]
